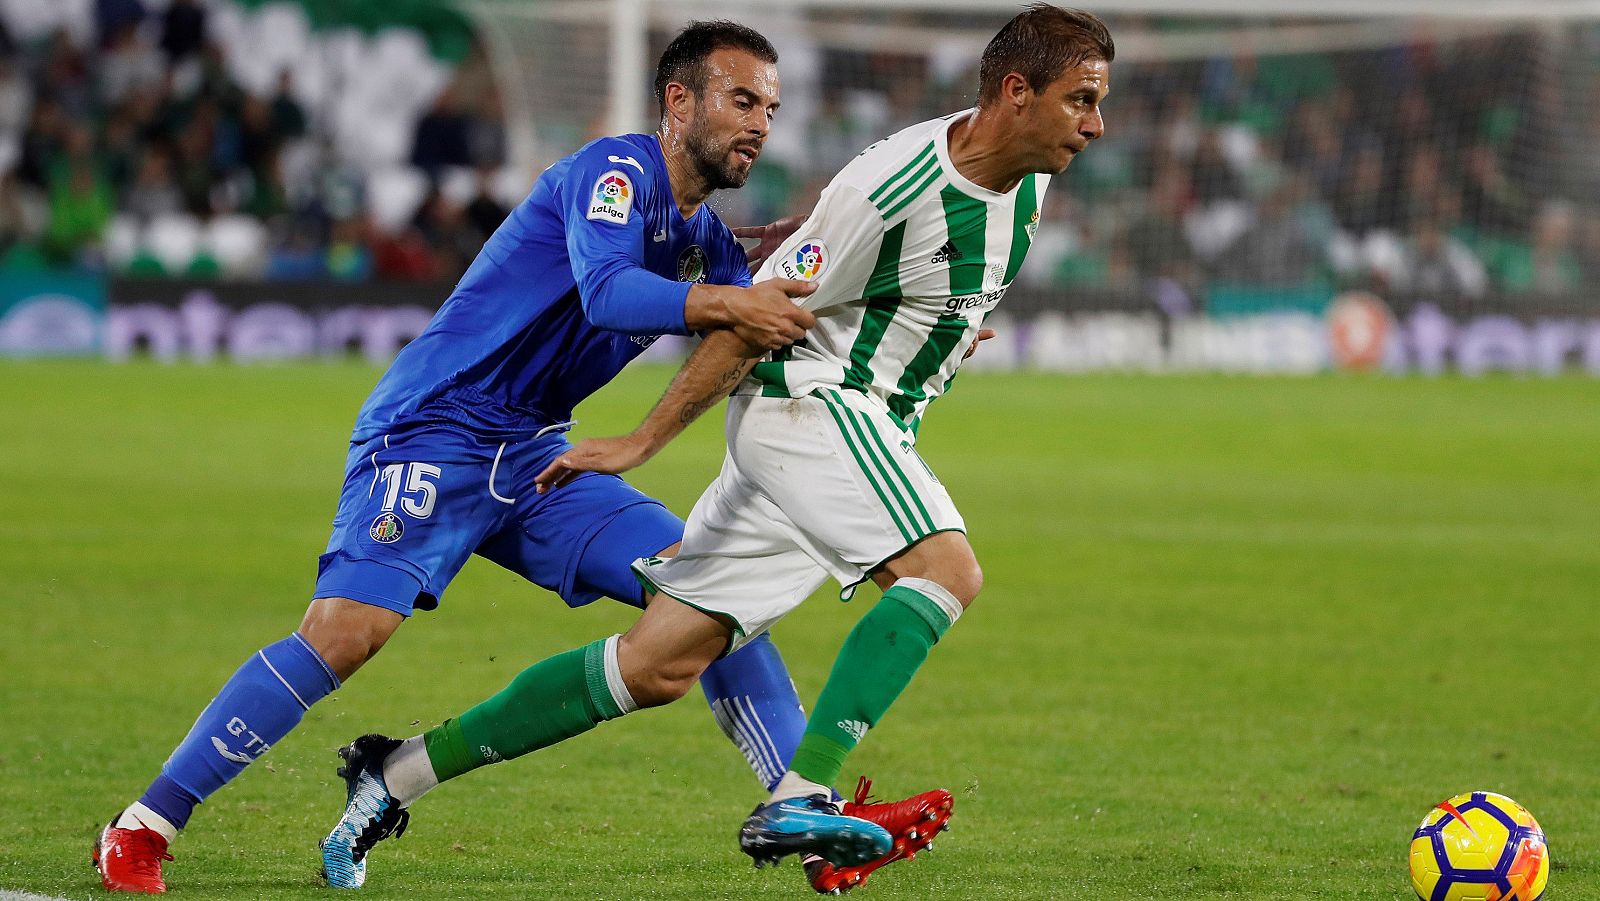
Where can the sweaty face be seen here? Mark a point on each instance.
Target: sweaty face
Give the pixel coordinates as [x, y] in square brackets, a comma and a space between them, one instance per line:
[732, 117]
[1065, 116]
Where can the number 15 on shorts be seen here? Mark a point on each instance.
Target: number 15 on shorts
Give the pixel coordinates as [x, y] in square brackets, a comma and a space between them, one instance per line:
[411, 485]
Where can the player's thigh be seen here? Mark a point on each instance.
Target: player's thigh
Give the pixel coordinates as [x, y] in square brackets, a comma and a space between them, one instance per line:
[740, 560]
[580, 540]
[846, 475]
[412, 509]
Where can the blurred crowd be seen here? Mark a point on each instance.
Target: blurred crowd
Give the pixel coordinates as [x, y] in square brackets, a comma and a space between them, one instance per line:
[1462, 166]
[136, 149]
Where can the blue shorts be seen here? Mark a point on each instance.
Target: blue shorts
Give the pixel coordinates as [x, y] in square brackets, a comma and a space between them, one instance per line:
[416, 504]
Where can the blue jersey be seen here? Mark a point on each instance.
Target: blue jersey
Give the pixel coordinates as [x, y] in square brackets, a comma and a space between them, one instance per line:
[579, 279]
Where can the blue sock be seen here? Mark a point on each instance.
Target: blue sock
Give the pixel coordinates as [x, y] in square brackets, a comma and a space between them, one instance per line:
[258, 706]
[755, 703]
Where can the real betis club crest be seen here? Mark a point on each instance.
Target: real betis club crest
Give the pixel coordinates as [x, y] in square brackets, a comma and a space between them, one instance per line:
[692, 265]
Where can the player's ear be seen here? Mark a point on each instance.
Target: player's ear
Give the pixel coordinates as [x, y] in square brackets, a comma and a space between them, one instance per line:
[679, 101]
[1015, 91]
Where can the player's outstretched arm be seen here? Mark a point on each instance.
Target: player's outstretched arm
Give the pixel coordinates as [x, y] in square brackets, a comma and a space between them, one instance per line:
[763, 315]
[721, 361]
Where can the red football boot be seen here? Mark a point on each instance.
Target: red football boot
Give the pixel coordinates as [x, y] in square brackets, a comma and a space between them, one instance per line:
[129, 860]
[913, 823]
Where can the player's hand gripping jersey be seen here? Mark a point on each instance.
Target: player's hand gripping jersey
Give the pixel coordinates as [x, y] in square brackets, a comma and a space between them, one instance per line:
[822, 476]
[909, 257]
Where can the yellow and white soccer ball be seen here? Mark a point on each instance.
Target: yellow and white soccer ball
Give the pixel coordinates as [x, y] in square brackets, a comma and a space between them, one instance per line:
[1479, 847]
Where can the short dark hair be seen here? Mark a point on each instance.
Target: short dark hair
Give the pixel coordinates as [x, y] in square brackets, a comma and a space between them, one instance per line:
[684, 60]
[1041, 43]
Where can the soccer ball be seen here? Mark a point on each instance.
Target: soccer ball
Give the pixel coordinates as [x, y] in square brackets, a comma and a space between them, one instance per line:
[1479, 847]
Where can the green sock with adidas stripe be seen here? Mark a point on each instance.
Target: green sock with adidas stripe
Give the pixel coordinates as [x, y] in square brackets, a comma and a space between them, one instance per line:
[878, 659]
[553, 700]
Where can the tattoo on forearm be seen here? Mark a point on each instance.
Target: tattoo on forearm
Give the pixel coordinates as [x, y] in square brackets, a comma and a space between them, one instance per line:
[691, 411]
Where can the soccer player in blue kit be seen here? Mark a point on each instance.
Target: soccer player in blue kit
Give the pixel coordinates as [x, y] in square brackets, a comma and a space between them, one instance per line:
[614, 247]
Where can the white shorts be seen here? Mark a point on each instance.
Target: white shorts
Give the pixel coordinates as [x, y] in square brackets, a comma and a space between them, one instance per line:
[812, 487]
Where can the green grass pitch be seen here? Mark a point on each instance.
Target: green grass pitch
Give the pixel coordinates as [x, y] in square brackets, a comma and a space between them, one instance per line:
[1238, 636]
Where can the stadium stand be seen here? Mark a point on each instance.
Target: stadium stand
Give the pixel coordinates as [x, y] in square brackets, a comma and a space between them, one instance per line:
[295, 140]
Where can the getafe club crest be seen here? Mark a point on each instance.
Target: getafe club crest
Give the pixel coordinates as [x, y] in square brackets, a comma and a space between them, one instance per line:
[612, 198]
[692, 265]
[807, 262]
[387, 528]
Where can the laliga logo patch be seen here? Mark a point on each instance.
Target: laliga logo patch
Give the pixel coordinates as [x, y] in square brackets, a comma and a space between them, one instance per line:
[387, 528]
[612, 198]
[807, 262]
[692, 265]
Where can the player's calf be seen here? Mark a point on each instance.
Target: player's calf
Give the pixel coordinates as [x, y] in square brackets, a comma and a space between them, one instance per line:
[260, 703]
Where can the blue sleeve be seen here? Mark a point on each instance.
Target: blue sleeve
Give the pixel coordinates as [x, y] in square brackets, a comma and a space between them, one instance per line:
[729, 264]
[604, 202]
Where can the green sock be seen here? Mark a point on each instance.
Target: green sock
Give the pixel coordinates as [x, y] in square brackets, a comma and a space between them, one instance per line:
[549, 702]
[876, 663]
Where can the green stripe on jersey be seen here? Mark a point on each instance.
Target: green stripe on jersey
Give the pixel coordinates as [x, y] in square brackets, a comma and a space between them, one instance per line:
[883, 301]
[771, 376]
[941, 341]
[932, 177]
[1026, 215]
[916, 163]
[874, 322]
[885, 278]
[917, 178]
[965, 221]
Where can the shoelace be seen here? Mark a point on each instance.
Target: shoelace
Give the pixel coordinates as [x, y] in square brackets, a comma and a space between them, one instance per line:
[863, 789]
[393, 822]
[823, 804]
[147, 863]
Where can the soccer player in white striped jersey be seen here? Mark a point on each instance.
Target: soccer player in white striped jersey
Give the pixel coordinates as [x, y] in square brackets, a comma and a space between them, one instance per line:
[910, 247]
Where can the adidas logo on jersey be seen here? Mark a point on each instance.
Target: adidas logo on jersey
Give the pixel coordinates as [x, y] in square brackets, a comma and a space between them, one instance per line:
[947, 253]
[856, 728]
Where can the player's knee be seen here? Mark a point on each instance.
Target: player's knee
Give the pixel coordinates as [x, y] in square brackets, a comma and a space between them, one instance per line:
[956, 573]
[346, 633]
[964, 581]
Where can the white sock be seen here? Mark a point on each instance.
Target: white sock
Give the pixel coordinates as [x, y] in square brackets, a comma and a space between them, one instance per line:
[793, 785]
[138, 816]
[408, 772]
[619, 689]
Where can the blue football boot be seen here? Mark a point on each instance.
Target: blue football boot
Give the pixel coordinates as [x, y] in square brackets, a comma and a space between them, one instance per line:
[371, 814]
[812, 825]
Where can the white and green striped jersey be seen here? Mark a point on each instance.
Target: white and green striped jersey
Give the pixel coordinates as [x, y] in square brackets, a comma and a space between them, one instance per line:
[909, 257]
